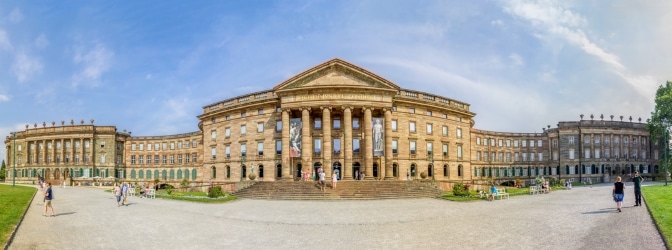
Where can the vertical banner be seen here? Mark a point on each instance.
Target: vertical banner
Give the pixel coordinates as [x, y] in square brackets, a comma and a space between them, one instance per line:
[378, 138]
[295, 137]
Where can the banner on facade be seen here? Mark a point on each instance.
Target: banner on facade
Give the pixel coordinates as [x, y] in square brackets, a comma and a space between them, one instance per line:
[378, 141]
[295, 137]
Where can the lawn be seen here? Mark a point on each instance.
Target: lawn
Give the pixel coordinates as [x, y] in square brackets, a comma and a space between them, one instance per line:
[657, 198]
[193, 196]
[14, 202]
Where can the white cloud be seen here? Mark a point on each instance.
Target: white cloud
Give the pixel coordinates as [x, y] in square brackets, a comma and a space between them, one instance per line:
[4, 41]
[178, 107]
[41, 41]
[95, 62]
[15, 16]
[25, 67]
[4, 98]
[516, 60]
[498, 23]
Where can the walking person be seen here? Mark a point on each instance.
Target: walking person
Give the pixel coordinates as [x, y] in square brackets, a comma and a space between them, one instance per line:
[48, 196]
[117, 194]
[124, 193]
[334, 179]
[638, 188]
[322, 181]
[618, 193]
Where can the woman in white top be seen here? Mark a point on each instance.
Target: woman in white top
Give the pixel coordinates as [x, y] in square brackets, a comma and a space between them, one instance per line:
[334, 179]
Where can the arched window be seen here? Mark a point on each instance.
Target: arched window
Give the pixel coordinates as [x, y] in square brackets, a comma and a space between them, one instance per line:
[228, 172]
[172, 174]
[148, 174]
[179, 174]
[133, 174]
[261, 171]
[186, 174]
[193, 174]
[214, 172]
[141, 174]
[278, 170]
[164, 174]
[156, 174]
[445, 171]
[430, 170]
[459, 170]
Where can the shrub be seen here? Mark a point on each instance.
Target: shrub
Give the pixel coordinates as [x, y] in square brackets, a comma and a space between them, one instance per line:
[184, 184]
[461, 189]
[214, 192]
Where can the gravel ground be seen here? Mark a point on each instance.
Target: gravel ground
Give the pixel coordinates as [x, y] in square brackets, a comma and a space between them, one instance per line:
[581, 218]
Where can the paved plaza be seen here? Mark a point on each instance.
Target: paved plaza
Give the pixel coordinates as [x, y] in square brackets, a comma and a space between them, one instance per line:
[581, 218]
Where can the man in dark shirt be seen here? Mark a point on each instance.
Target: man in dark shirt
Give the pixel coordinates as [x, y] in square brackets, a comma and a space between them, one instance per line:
[638, 188]
[48, 196]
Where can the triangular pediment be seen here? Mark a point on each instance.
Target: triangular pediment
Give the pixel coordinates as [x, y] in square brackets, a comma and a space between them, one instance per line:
[336, 73]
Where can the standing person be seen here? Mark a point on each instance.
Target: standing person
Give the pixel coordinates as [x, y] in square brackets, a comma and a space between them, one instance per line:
[124, 193]
[48, 196]
[322, 181]
[117, 194]
[619, 187]
[638, 185]
[334, 179]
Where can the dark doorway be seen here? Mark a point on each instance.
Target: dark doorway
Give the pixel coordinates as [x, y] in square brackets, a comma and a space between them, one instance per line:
[298, 170]
[278, 170]
[375, 170]
[336, 168]
[316, 170]
[355, 171]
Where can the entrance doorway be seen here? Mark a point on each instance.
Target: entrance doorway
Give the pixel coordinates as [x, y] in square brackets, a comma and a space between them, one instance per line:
[278, 171]
[243, 172]
[298, 170]
[355, 171]
[395, 170]
[375, 170]
[316, 168]
[413, 170]
[336, 168]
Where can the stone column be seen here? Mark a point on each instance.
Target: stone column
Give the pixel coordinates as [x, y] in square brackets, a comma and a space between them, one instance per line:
[368, 146]
[346, 172]
[326, 141]
[389, 174]
[286, 163]
[306, 150]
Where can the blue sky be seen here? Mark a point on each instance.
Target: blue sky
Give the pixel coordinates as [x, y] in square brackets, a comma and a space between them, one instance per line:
[150, 66]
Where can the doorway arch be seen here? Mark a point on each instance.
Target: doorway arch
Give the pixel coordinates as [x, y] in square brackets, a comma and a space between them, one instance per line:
[395, 170]
[298, 170]
[278, 171]
[316, 168]
[413, 170]
[355, 170]
[336, 168]
[375, 170]
[261, 171]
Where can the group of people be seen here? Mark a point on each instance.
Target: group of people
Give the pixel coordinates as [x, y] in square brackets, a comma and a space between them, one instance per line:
[121, 192]
[619, 191]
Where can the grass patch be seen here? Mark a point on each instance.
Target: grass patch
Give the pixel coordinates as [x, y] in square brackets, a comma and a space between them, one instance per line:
[13, 202]
[658, 200]
[193, 197]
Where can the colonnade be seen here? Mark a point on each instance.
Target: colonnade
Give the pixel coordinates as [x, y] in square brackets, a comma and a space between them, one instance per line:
[329, 157]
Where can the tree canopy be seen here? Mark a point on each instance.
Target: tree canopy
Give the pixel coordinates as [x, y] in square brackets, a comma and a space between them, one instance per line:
[663, 110]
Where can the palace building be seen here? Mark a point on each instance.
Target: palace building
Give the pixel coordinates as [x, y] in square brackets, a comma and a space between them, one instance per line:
[343, 119]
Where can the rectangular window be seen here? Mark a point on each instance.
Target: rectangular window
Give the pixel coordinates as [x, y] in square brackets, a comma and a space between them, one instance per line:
[141, 159]
[531, 156]
[337, 123]
[243, 114]
[411, 126]
[524, 156]
[194, 143]
[571, 153]
[133, 159]
[531, 143]
[172, 145]
[508, 143]
[243, 130]
[133, 147]
[515, 143]
[597, 153]
[194, 157]
[260, 148]
[395, 146]
[186, 144]
[156, 159]
[227, 151]
[485, 156]
[228, 117]
[501, 156]
[394, 125]
[149, 146]
[337, 146]
[179, 145]
[355, 145]
[411, 110]
[260, 112]
[571, 140]
[86, 144]
[243, 150]
[478, 155]
[524, 143]
[213, 152]
[429, 128]
[214, 120]
[172, 159]
[500, 142]
[278, 147]
[492, 142]
[412, 147]
[317, 145]
[76, 144]
[444, 116]
[478, 140]
[445, 150]
[142, 146]
[165, 159]
[429, 113]
[459, 151]
[164, 146]
[516, 157]
[355, 123]
[444, 130]
[260, 127]
[508, 156]
[227, 132]
[179, 159]
[318, 123]
[278, 126]
[586, 154]
[67, 145]
[430, 148]
[539, 143]
[586, 139]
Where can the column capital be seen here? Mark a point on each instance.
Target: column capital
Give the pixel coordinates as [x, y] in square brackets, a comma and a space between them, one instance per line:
[309, 109]
[365, 108]
[348, 107]
[326, 107]
[288, 110]
[385, 109]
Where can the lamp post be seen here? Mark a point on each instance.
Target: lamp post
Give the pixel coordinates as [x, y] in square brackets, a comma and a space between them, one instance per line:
[665, 124]
[14, 159]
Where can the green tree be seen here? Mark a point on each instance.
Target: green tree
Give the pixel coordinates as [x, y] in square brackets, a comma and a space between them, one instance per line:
[662, 111]
[2, 170]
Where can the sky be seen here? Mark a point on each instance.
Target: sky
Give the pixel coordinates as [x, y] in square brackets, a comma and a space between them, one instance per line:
[149, 67]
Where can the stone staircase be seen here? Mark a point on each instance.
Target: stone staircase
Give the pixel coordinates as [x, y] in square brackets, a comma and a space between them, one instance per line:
[345, 190]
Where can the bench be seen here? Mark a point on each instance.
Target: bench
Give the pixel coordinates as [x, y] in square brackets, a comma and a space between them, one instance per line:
[131, 192]
[534, 190]
[501, 192]
[151, 194]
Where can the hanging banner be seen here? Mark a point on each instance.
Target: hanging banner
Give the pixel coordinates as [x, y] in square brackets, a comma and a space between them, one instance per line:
[295, 137]
[378, 138]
